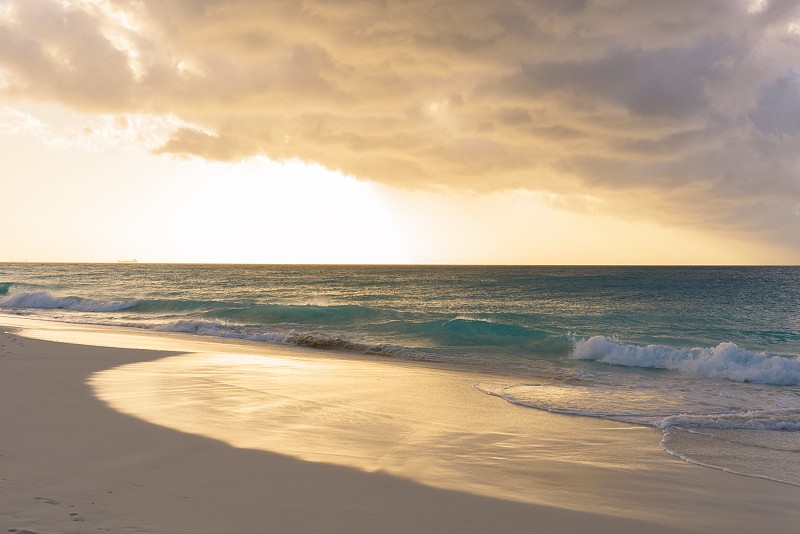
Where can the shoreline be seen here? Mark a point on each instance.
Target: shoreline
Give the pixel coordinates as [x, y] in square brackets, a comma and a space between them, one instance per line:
[115, 472]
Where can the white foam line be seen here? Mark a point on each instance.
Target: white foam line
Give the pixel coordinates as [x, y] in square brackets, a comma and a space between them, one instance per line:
[687, 459]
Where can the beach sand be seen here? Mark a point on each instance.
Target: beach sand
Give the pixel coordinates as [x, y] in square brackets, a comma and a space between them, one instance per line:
[106, 439]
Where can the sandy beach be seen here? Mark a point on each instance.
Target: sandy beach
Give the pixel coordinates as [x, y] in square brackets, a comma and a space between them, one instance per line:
[108, 439]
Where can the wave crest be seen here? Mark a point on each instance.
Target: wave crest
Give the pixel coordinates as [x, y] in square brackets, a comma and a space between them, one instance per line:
[46, 300]
[780, 420]
[726, 360]
[469, 331]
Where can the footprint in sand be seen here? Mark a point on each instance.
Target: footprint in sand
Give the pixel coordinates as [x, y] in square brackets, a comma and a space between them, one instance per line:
[48, 501]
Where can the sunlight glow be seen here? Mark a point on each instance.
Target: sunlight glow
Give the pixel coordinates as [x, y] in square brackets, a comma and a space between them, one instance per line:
[262, 211]
[524, 227]
[123, 201]
[126, 203]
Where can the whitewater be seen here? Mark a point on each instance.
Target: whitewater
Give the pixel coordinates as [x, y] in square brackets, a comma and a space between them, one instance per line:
[711, 356]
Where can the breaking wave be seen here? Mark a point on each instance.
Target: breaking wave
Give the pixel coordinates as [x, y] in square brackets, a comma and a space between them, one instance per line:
[726, 360]
[46, 300]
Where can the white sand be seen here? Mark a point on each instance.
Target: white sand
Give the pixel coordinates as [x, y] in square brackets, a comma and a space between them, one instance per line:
[334, 445]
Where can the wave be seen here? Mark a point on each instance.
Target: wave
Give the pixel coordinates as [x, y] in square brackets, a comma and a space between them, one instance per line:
[756, 445]
[467, 331]
[316, 340]
[779, 420]
[726, 360]
[759, 441]
[247, 312]
[620, 403]
[241, 312]
[173, 306]
[302, 314]
[634, 405]
[461, 331]
[212, 328]
[46, 300]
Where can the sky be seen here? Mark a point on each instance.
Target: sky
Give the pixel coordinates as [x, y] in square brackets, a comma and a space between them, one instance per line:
[363, 131]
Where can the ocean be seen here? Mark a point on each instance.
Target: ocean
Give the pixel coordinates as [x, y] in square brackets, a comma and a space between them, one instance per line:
[709, 355]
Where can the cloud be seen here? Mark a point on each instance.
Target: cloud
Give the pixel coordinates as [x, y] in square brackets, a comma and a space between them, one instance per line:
[778, 109]
[684, 112]
[673, 82]
[189, 141]
[52, 51]
[95, 133]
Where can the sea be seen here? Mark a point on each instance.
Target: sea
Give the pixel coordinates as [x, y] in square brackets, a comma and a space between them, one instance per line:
[708, 355]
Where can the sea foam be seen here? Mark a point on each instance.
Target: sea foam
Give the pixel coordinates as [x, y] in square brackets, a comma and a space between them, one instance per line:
[726, 360]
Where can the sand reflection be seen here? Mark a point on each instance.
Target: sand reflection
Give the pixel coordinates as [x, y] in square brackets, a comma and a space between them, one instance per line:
[426, 424]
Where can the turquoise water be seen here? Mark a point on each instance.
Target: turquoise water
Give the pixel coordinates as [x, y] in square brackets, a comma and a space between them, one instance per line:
[710, 355]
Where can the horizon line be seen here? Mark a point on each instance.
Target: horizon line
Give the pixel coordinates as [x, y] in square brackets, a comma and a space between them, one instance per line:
[301, 264]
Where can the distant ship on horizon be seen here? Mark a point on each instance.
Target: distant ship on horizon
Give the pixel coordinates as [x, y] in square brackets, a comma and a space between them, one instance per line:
[128, 261]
